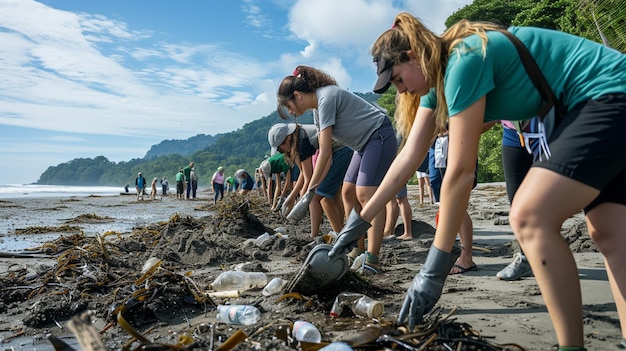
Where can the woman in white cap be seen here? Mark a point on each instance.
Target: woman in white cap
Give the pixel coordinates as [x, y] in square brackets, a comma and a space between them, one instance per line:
[366, 129]
[299, 144]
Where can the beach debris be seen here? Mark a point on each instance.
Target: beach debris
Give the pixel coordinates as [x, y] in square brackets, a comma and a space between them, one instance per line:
[132, 283]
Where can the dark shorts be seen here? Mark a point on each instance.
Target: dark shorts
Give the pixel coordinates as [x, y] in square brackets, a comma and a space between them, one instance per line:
[588, 146]
[334, 178]
[247, 183]
[369, 166]
[402, 193]
[179, 187]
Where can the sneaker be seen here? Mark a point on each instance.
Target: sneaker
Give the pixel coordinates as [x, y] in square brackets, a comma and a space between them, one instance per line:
[517, 269]
[356, 252]
[362, 266]
[358, 262]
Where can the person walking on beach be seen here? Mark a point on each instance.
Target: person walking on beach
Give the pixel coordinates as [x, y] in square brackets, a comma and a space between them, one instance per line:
[218, 184]
[180, 184]
[164, 186]
[153, 188]
[140, 186]
[194, 182]
[365, 128]
[187, 174]
[473, 73]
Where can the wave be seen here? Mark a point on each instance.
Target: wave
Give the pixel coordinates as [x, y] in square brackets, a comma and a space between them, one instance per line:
[8, 191]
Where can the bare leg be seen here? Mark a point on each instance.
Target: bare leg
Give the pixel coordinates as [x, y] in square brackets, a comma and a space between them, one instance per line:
[607, 228]
[348, 193]
[375, 233]
[431, 198]
[466, 234]
[333, 208]
[407, 217]
[420, 181]
[543, 202]
[392, 218]
[315, 211]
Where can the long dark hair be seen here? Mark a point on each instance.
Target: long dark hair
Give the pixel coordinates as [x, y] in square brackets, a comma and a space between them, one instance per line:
[304, 79]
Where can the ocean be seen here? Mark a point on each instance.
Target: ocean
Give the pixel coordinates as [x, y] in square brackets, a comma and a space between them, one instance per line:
[11, 191]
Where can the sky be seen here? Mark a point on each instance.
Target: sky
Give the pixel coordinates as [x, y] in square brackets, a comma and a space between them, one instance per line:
[81, 79]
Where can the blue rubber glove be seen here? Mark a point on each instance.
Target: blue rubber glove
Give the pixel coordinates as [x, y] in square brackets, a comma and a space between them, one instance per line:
[301, 208]
[427, 285]
[354, 230]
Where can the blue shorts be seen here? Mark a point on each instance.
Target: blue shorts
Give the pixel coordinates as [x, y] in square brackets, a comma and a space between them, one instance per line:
[402, 193]
[369, 166]
[247, 183]
[333, 180]
[295, 173]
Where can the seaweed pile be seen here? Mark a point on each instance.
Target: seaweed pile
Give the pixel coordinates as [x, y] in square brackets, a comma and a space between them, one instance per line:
[143, 286]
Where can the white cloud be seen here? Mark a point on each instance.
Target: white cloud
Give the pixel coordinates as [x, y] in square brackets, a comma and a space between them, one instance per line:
[89, 74]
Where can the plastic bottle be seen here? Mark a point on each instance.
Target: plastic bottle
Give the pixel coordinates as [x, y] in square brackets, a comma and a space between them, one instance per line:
[274, 286]
[306, 331]
[361, 305]
[238, 314]
[239, 280]
[261, 238]
[337, 346]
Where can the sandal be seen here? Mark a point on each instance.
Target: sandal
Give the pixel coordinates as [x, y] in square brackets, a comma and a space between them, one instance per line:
[461, 269]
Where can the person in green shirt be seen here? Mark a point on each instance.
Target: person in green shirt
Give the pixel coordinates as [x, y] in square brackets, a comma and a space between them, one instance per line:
[187, 174]
[180, 184]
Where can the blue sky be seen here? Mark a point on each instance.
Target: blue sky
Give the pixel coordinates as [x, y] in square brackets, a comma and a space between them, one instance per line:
[80, 79]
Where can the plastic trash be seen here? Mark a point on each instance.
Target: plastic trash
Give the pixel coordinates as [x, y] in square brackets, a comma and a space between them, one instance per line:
[238, 314]
[301, 208]
[306, 331]
[275, 286]
[239, 280]
[361, 305]
[261, 238]
[337, 346]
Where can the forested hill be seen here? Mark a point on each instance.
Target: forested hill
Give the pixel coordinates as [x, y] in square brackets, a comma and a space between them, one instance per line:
[182, 147]
[242, 148]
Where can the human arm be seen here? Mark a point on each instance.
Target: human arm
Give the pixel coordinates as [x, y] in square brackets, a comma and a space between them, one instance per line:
[465, 129]
[277, 192]
[306, 170]
[324, 158]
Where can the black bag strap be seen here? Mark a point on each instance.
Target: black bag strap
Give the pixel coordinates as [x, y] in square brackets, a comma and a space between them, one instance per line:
[536, 76]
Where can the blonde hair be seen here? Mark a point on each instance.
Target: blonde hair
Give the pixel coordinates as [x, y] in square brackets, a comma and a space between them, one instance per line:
[432, 51]
[406, 109]
[294, 151]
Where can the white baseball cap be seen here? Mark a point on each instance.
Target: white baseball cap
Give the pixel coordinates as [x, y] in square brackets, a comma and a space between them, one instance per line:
[278, 133]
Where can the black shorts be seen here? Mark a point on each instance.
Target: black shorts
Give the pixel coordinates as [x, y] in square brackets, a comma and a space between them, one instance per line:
[588, 146]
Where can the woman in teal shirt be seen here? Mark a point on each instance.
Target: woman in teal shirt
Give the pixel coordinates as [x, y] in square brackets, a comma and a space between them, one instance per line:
[473, 74]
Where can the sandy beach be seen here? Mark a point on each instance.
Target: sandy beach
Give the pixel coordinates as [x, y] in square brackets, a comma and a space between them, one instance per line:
[202, 240]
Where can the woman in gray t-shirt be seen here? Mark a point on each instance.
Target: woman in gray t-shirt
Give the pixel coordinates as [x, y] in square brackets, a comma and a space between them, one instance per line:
[365, 128]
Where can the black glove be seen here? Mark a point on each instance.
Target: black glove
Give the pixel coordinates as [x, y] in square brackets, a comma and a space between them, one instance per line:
[354, 230]
[427, 285]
